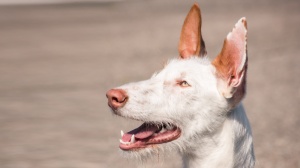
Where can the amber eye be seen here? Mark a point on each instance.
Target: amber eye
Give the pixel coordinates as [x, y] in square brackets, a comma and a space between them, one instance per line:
[184, 84]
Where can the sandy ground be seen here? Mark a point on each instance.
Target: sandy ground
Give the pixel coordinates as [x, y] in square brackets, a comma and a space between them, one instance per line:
[57, 62]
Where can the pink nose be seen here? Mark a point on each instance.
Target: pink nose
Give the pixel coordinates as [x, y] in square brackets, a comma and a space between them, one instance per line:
[116, 98]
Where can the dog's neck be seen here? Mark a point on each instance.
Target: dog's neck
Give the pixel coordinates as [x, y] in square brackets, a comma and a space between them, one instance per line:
[229, 147]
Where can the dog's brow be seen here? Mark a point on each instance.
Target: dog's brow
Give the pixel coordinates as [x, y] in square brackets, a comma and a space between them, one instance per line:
[183, 74]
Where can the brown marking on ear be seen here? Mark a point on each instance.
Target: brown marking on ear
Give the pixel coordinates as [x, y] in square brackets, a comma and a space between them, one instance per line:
[191, 42]
[226, 63]
[231, 63]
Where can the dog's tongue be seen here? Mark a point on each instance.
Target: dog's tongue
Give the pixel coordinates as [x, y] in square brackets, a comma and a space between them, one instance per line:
[142, 132]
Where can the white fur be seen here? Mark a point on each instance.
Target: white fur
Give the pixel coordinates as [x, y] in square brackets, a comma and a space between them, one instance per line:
[213, 134]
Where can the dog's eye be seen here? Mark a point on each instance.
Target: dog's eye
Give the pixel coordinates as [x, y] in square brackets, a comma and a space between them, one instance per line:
[184, 84]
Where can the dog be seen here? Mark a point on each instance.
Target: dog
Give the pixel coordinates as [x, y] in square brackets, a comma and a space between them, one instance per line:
[192, 105]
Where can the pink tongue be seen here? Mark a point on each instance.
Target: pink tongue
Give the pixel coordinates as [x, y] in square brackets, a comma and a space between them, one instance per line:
[142, 132]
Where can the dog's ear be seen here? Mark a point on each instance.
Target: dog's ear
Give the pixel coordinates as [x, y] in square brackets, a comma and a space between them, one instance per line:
[191, 42]
[231, 63]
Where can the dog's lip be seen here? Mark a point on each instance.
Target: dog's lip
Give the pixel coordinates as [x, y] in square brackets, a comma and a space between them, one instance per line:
[148, 138]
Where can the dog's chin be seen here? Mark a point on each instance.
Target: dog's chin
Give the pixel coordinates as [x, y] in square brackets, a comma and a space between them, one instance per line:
[142, 154]
[146, 154]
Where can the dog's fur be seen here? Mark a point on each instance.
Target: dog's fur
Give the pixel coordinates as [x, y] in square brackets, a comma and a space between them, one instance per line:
[201, 98]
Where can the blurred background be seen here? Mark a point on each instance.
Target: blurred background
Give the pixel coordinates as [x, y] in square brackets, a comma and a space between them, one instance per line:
[59, 57]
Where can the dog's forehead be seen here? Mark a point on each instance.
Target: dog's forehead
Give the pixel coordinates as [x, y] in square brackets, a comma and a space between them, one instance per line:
[184, 67]
[193, 69]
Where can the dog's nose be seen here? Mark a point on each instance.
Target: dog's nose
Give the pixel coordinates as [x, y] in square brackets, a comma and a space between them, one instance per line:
[116, 98]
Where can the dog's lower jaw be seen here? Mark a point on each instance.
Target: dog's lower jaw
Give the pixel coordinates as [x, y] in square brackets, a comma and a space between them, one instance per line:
[151, 153]
[231, 147]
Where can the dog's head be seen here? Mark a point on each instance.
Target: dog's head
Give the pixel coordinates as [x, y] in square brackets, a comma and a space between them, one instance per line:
[189, 98]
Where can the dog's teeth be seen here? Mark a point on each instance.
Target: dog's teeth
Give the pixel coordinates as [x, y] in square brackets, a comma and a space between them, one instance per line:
[169, 127]
[125, 143]
[122, 142]
[162, 130]
[132, 140]
[122, 133]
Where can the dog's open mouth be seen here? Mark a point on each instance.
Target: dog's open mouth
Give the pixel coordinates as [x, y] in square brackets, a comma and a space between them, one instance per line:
[147, 135]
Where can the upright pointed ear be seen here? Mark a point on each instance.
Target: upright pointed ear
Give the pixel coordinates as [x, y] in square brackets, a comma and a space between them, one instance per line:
[191, 42]
[231, 63]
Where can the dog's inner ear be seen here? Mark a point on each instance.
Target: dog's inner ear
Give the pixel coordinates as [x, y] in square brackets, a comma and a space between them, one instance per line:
[231, 63]
[191, 42]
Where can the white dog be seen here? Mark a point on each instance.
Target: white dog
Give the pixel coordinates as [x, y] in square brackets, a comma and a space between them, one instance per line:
[192, 105]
